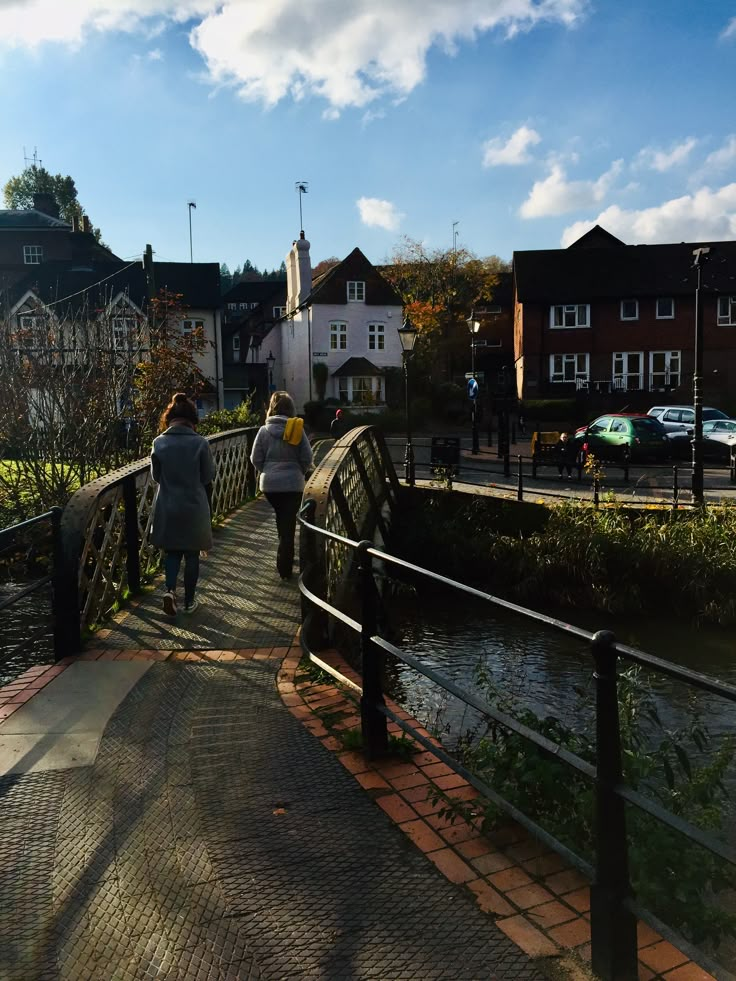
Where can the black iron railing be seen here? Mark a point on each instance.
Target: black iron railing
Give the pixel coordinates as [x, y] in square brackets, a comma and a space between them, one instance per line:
[613, 906]
[10, 541]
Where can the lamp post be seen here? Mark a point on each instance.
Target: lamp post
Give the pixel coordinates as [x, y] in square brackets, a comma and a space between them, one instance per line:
[408, 338]
[699, 257]
[473, 328]
[270, 361]
[191, 205]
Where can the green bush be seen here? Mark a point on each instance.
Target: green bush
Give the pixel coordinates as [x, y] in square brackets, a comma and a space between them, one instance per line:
[224, 419]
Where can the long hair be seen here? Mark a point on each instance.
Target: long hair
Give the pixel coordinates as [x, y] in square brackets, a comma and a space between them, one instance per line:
[181, 408]
[281, 404]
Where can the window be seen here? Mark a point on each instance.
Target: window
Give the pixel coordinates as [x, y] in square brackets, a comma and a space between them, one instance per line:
[375, 337]
[362, 390]
[727, 311]
[123, 333]
[664, 370]
[343, 393]
[338, 336]
[568, 367]
[187, 326]
[279, 312]
[236, 344]
[356, 290]
[629, 309]
[570, 315]
[618, 426]
[628, 370]
[32, 255]
[665, 308]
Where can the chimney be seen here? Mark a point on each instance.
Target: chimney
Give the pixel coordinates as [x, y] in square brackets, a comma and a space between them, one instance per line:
[46, 203]
[86, 226]
[303, 269]
[76, 226]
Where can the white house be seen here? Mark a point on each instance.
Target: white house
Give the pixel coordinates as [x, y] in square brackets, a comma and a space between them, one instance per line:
[346, 319]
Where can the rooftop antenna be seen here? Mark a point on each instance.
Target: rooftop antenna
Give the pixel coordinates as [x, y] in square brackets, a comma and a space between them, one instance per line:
[454, 236]
[33, 161]
[302, 187]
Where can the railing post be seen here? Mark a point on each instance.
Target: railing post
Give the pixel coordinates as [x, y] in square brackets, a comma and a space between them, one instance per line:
[596, 491]
[613, 928]
[675, 488]
[520, 487]
[372, 720]
[534, 464]
[132, 536]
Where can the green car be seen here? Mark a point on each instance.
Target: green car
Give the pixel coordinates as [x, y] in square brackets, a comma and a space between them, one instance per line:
[624, 437]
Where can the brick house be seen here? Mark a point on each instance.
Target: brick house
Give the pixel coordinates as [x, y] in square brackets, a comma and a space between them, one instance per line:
[602, 316]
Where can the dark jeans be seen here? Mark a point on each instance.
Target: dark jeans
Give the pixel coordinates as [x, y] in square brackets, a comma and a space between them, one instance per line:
[172, 564]
[565, 466]
[286, 505]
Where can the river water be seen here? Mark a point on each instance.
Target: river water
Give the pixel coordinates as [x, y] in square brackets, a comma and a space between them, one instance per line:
[17, 622]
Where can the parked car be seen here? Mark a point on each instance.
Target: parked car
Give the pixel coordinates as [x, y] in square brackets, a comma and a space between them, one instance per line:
[679, 417]
[621, 436]
[719, 435]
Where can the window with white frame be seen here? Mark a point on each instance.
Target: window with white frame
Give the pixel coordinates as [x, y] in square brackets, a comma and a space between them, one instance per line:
[338, 335]
[628, 368]
[665, 308]
[356, 290]
[123, 333]
[727, 311]
[375, 337]
[32, 255]
[629, 309]
[236, 345]
[279, 312]
[569, 367]
[188, 326]
[664, 370]
[565, 315]
[361, 389]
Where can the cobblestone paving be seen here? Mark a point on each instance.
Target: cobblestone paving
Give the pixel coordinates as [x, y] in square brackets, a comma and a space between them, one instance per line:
[214, 837]
[243, 602]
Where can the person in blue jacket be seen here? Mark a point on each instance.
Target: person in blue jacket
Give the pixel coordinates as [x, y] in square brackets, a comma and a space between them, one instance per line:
[182, 466]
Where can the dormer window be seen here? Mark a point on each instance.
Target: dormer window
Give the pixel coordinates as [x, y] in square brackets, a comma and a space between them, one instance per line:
[356, 291]
[32, 255]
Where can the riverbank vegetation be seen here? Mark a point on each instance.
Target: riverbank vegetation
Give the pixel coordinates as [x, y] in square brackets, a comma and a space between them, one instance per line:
[614, 560]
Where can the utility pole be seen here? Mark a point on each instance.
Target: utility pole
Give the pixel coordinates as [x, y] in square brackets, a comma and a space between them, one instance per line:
[302, 187]
[700, 256]
[190, 205]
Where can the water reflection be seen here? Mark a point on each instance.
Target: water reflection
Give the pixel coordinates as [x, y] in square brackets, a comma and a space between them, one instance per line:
[17, 623]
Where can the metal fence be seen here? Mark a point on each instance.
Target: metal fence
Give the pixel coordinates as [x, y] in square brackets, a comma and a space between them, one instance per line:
[105, 552]
[614, 909]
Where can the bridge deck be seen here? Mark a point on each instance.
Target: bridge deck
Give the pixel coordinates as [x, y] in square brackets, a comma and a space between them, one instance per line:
[199, 830]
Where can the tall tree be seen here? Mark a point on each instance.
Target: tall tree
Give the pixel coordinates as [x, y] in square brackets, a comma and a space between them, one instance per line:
[439, 289]
[19, 191]
[226, 278]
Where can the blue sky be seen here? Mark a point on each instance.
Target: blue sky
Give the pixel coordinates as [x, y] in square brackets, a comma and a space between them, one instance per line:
[526, 121]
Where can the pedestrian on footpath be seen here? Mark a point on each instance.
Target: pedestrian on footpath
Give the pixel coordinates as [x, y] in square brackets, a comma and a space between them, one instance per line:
[282, 454]
[182, 466]
[565, 454]
[337, 426]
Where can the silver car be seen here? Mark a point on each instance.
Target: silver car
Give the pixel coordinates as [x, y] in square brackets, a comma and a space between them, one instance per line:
[681, 418]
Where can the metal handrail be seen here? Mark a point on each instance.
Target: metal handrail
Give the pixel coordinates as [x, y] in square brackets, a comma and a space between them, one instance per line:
[613, 923]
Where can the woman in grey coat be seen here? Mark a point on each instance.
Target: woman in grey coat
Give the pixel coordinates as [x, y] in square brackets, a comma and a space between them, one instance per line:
[182, 466]
[282, 453]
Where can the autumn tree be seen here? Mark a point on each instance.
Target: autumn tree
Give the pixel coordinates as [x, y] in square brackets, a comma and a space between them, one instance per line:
[324, 266]
[440, 288]
[19, 191]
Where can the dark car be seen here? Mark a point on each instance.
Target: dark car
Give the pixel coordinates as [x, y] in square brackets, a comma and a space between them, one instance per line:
[620, 436]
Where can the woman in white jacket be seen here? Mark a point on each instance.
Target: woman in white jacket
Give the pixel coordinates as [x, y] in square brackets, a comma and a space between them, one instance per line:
[282, 454]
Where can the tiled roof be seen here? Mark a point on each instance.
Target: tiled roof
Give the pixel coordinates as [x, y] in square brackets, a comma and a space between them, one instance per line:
[577, 275]
[357, 366]
[254, 292]
[332, 286]
[16, 219]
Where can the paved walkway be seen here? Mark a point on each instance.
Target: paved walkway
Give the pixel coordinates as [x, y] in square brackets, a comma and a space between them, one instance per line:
[207, 833]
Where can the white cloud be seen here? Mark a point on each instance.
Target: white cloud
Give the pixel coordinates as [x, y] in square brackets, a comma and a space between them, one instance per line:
[555, 195]
[724, 157]
[729, 30]
[662, 160]
[699, 217]
[155, 54]
[350, 52]
[377, 213]
[514, 151]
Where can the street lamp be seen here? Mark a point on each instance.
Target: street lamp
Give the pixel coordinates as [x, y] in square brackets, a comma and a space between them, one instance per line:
[473, 328]
[700, 256]
[408, 338]
[270, 361]
[191, 205]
